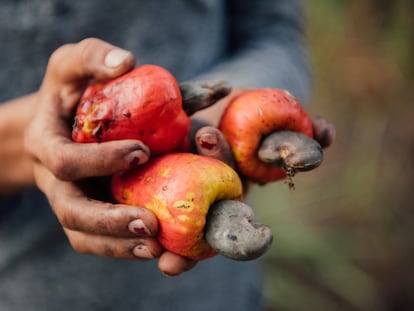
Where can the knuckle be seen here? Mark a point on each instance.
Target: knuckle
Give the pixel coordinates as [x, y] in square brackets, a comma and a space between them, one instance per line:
[66, 218]
[76, 246]
[58, 168]
[55, 58]
[76, 242]
[87, 43]
[86, 48]
[107, 250]
[61, 167]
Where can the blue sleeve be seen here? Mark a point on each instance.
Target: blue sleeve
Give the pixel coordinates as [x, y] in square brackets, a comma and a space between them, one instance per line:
[267, 47]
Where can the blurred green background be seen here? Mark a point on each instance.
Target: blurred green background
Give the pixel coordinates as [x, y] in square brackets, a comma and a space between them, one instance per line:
[344, 237]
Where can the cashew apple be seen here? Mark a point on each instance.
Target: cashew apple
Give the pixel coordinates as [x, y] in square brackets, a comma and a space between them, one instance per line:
[143, 104]
[270, 134]
[179, 189]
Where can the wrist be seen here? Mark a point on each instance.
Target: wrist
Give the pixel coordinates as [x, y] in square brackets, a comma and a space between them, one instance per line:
[15, 163]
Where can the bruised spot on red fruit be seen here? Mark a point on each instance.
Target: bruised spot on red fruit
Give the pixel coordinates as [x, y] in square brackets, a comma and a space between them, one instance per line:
[127, 113]
[143, 104]
[252, 115]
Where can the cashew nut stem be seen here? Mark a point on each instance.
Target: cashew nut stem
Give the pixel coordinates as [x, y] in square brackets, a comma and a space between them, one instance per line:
[198, 95]
[230, 231]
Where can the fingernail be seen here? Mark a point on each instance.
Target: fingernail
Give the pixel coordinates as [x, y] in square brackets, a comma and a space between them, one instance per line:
[115, 57]
[141, 251]
[208, 141]
[136, 158]
[138, 227]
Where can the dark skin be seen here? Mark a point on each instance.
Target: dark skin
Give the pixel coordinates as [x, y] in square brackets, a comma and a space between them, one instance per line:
[68, 172]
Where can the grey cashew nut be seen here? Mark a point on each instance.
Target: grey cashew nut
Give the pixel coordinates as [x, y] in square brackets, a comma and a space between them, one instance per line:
[197, 95]
[290, 150]
[230, 231]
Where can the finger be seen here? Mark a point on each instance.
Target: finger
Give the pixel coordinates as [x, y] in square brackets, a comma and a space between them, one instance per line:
[72, 65]
[290, 150]
[210, 142]
[133, 248]
[89, 58]
[172, 264]
[77, 212]
[323, 131]
[71, 161]
[198, 95]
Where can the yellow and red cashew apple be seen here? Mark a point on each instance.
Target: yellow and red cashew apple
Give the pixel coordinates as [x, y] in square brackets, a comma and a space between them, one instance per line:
[179, 189]
[254, 114]
[143, 104]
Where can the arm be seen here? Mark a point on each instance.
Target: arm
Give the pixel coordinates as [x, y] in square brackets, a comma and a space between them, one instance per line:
[267, 48]
[16, 166]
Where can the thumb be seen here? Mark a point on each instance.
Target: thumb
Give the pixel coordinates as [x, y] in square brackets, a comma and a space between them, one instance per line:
[89, 58]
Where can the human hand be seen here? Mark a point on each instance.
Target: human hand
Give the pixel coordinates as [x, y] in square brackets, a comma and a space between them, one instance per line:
[62, 168]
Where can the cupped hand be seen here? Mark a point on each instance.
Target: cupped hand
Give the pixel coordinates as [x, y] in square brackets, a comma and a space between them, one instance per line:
[63, 169]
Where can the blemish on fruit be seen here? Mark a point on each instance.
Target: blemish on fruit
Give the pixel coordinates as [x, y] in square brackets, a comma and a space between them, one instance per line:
[164, 172]
[190, 196]
[232, 237]
[97, 131]
[127, 113]
[183, 218]
[75, 122]
[181, 204]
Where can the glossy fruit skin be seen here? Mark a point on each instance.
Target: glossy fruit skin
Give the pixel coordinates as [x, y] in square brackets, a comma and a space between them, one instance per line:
[253, 114]
[179, 189]
[144, 104]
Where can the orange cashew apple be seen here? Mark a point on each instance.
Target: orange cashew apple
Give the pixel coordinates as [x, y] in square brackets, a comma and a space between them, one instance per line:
[270, 134]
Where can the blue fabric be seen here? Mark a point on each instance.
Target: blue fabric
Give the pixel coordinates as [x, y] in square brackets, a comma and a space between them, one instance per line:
[249, 43]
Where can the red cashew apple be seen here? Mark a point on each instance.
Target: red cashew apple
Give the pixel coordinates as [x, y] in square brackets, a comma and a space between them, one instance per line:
[270, 135]
[143, 104]
[179, 189]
